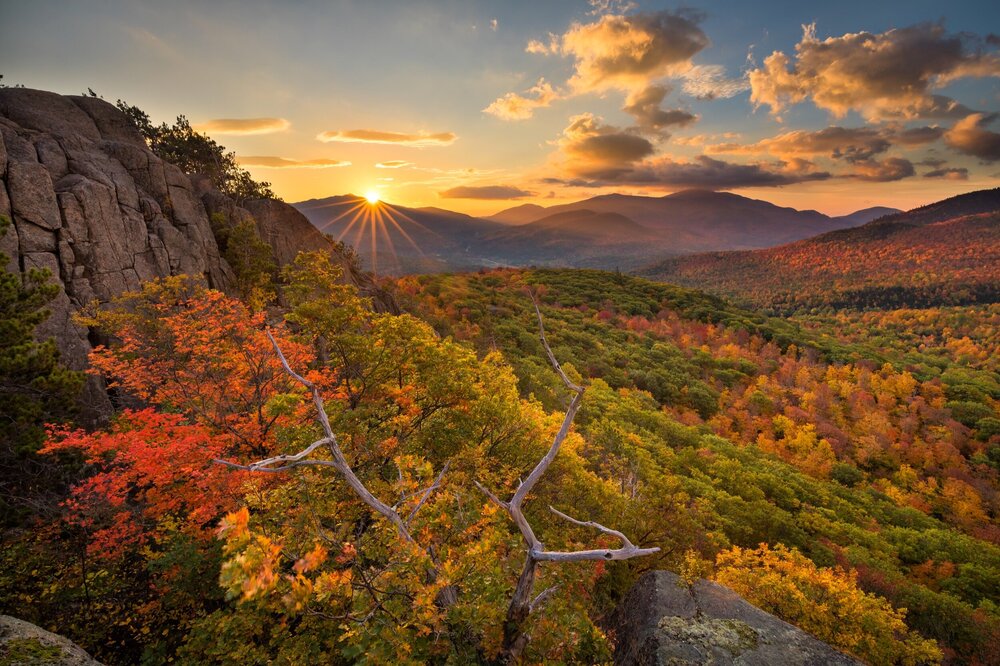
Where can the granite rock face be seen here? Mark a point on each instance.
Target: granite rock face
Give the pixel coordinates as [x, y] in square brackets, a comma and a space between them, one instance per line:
[24, 643]
[90, 202]
[664, 622]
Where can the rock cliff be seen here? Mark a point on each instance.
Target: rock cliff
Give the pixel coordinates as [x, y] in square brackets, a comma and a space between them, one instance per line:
[663, 621]
[90, 202]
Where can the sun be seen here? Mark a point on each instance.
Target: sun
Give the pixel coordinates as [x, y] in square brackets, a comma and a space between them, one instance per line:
[372, 197]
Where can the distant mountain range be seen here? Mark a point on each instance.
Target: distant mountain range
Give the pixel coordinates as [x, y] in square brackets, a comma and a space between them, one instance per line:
[943, 253]
[606, 231]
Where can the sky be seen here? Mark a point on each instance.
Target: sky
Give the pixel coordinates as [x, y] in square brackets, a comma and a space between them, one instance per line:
[479, 106]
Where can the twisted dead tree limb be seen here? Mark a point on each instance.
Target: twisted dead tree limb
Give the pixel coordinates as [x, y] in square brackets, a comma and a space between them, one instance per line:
[283, 463]
[515, 638]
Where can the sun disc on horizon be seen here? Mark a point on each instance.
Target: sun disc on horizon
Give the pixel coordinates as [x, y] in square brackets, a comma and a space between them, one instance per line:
[372, 197]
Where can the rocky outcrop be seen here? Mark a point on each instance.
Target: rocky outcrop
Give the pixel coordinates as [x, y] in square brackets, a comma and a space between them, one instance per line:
[91, 203]
[663, 621]
[24, 643]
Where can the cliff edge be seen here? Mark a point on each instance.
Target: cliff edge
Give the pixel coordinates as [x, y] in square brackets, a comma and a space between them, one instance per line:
[90, 202]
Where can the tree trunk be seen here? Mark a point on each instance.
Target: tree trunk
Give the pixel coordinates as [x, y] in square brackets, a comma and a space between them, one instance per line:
[514, 637]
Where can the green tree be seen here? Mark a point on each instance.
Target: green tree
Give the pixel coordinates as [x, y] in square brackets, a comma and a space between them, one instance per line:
[34, 388]
[194, 152]
[250, 257]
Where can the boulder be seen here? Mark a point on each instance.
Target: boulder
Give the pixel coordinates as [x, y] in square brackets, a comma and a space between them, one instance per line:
[663, 621]
[22, 643]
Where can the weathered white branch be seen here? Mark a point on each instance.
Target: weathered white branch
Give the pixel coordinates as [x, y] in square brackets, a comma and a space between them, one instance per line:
[542, 597]
[521, 605]
[548, 350]
[535, 548]
[284, 463]
[627, 551]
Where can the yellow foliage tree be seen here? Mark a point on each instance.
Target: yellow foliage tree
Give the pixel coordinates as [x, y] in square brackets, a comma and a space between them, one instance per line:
[826, 602]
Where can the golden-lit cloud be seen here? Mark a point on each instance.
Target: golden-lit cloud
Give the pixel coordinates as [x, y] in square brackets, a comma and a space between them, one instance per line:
[837, 142]
[705, 139]
[626, 52]
[595, 150]
[548, 47]
[970, 136]
[594, 154]
[629, 53]
[514, 106]
[393, 164]
[882, 171]
[485, 192]
[851, 144]
[271, 162]
[889, 75]
[644, 106]
[243, 126]
[418, 140]
[701, 172]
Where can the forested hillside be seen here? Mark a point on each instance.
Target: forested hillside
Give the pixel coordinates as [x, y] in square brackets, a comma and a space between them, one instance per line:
[947, 253]
[729, 429]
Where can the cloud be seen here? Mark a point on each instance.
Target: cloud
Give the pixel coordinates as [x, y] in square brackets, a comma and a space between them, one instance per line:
[599, 7]
[971, 137]
[704, 139]
[644, 106]
[705, 172]
[951, 173]
[550, 47]
[418, 140]
[513, 106]
[244, 126]
[271, 162]
[917, 136]
[851, 144]
[884, 171]
[888, 75]
[711, 82]
[626, 52]
[485, 192]
[393, 164]
[595, 150]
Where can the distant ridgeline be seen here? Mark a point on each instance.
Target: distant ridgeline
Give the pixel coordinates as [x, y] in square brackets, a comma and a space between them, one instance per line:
[609, 231]
[946, 253]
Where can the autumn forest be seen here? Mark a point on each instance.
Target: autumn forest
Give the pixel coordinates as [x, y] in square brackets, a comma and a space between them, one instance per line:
[649, 335]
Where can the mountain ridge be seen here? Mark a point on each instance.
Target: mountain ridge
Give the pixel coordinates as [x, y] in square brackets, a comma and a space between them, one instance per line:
[947, 252]
[639, 229]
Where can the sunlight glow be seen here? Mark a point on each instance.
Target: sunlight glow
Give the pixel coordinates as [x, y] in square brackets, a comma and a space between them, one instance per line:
[369, 221]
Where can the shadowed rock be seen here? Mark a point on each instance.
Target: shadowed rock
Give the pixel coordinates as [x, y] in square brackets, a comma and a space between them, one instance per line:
[664, 622]
[24, 643]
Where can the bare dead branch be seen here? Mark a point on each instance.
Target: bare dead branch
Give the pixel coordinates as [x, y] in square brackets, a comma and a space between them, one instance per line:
[627, 551]
[592, 524]
[548, 350]
[286, 462]
[515, 638]
[542, 597]
[494, 498]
